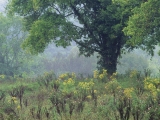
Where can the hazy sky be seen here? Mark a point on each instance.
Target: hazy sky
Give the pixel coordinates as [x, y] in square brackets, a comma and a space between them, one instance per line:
[2, 5]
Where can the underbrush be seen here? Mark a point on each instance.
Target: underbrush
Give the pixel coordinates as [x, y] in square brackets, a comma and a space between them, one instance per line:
[133, 96]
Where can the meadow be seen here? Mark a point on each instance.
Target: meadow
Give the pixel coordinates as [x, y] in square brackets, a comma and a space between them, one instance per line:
[131, 96]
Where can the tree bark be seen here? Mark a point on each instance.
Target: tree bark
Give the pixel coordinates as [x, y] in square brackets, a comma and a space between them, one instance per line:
[109, 56]
[109, 63]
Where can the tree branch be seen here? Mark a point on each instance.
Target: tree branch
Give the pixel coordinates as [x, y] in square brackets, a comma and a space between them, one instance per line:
[69, 14]
[80, 18]
[85, 46]
[56, 8]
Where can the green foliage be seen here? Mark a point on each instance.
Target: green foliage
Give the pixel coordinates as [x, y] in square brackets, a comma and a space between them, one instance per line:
[143, 26]
[42, 32]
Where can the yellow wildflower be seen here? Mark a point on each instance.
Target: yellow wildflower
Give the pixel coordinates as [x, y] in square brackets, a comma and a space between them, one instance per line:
[86, 85]
[95, 91]
[2, 76]
[70, 81]
[18, 107]
[128, 92]
[73, 75]
[95, 74]
[14, 98]
[133, 73]
[89, 96]
[152, 85]
[113, 76]
[63, 76]
[104, 72]
[75, 92]
[101, 76]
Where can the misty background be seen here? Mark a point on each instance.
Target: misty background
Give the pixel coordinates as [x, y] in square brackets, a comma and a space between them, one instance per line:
[60, 60]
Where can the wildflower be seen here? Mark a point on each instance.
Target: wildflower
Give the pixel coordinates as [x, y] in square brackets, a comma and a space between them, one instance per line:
[151, 85]
[14, 99]
[2, 76]
[95, 91]
[114, 74]
[86, 85]
[113, 77]
[95, 74]
[101, 76]
[63, 76]
[70, 81]
[73, 75]
[133, 73]
[75, 92]
[104, 72]
[112, 85]
[128, 91]
[154, 93]
[89, 96]
[18, 107]
[99, 96]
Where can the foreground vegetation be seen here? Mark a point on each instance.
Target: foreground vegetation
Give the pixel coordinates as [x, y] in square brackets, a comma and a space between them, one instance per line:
[133, 96]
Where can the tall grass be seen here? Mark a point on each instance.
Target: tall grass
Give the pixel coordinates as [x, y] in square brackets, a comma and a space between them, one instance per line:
[133, 96]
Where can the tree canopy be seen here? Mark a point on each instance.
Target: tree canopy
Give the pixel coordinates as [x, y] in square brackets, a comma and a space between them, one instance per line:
[143, 26]
[98, 29]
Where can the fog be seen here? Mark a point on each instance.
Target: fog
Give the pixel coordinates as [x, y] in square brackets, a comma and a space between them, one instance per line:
[2, 5]
[68, 60]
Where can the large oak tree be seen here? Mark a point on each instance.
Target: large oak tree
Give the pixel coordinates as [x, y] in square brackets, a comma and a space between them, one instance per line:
[98, 29]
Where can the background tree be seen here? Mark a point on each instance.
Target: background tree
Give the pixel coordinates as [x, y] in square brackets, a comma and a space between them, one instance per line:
[98, 29]
[11, 36]
[13, 60]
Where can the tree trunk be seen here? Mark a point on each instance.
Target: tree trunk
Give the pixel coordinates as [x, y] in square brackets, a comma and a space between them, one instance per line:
[109, 63]
[109, 57]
